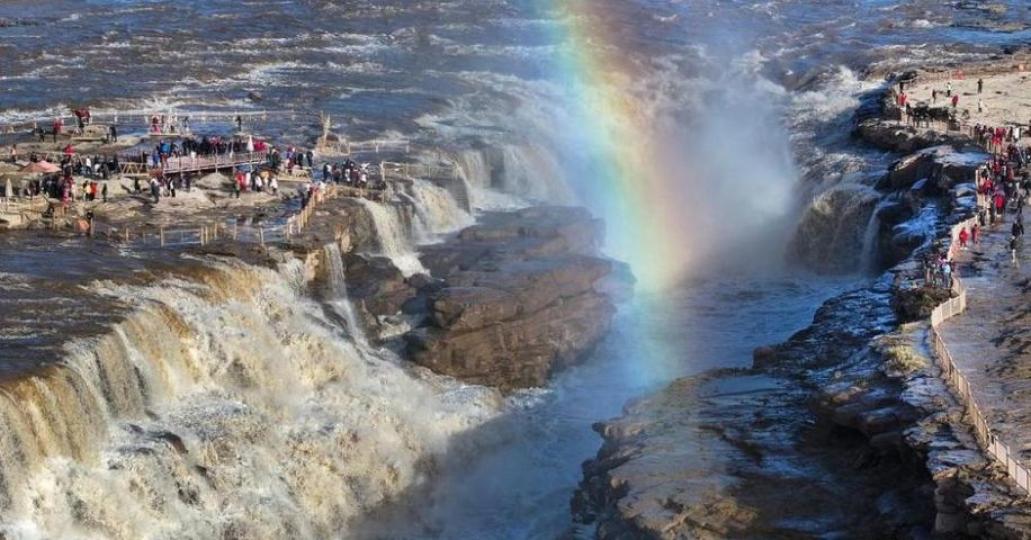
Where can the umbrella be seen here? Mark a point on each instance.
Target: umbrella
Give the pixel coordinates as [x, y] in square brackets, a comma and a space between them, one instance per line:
[41, 167]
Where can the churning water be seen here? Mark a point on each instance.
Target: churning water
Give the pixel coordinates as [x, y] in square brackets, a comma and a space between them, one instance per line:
[317, 435]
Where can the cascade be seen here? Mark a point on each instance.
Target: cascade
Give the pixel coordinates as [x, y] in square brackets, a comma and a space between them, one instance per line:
[436, 211]
[393, 237]
[232, 408]
[868, 260]
[339, 300]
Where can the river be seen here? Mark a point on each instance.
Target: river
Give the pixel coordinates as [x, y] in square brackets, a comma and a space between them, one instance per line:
[754, 99]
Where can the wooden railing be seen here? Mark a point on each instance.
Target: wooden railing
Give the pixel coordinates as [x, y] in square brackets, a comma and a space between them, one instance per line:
[182, 164]
[206, 233]
[986, 438]
[390, 170]
[349, 148]
[143, 117]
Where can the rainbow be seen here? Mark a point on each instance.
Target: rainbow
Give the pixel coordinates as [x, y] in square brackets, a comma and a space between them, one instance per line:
[646, 222]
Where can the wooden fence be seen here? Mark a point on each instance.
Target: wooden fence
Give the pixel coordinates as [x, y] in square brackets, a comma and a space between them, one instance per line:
[206, 233]
[184, 164]
[143, 117]
[349, 148]
[959, 384]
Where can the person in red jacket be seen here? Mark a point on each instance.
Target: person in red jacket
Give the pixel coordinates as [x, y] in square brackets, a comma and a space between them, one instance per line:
[963, 237]
[955, 101]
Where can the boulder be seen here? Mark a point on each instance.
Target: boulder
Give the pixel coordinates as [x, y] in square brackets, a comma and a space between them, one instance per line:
[515, 297]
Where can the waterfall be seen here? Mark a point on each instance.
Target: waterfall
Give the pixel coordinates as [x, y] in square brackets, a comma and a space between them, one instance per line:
[436, 211]
[868, 260]
[393, 237]
[507, 178]
[339, 300]
[533, 171]
[226, 409]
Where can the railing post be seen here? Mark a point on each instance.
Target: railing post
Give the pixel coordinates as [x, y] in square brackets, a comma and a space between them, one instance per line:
[161, 234]
[261, 235]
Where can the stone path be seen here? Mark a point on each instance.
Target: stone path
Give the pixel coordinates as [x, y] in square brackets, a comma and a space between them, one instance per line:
[1006, 97]
[991, 341]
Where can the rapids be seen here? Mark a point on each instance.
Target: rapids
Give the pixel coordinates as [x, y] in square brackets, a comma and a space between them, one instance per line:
[231, 407]
[236, 406]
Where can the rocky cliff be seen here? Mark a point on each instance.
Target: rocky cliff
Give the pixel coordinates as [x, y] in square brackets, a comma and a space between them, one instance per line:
[843, 430]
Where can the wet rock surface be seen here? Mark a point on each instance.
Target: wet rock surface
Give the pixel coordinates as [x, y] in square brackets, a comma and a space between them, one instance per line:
[513, 298]
[769, 452]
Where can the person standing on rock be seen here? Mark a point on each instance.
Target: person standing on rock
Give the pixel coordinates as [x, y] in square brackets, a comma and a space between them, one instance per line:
[980, 106]
[975, 233]
[963, 237]
[955, 101]
[948, 89]
[980, 85]
[1018, 229]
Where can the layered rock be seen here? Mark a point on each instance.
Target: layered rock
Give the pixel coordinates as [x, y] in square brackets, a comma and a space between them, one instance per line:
[514, 298]
[752, 454]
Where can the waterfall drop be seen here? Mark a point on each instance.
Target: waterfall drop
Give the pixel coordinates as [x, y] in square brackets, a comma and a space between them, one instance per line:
[394, 239]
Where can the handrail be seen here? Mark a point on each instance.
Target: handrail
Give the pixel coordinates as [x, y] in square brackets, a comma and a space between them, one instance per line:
[961, 387]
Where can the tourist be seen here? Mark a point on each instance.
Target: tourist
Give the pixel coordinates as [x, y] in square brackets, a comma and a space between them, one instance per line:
[155, 190]
[1000, 204]
[975, 233]
[955, 101]
[103, 192]
[112, 132]
[980, 85]
[57, 126]
[1018, 229]
[963, 237]
[980, 105]
[273, 184]
[948, 89]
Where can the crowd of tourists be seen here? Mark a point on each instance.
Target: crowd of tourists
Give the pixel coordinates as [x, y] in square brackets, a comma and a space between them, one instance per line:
[1003, 185]
[350, 173]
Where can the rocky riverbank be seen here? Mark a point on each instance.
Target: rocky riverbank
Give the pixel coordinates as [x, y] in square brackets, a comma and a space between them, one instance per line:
[850, 409]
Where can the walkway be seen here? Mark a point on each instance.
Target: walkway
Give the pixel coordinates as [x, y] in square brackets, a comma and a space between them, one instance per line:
[991, 341]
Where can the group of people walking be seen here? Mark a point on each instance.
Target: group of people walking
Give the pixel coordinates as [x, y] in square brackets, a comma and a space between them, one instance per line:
[348, 173]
